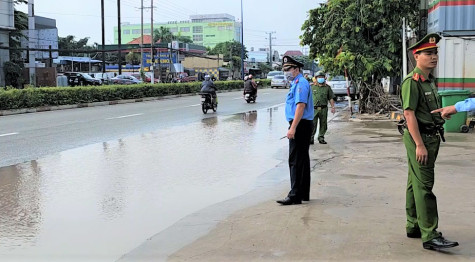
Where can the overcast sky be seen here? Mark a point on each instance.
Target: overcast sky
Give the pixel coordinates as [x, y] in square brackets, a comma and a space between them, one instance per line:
[82, 18]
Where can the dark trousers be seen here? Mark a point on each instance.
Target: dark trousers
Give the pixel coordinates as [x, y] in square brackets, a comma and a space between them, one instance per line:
[299, 161]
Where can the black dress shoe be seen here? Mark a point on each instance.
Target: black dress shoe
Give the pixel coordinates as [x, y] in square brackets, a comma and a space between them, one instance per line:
[288, 201]
[322, 142]
[415, 234]
[438, 243]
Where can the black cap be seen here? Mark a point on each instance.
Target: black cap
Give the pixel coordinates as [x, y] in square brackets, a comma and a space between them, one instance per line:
[288, 62]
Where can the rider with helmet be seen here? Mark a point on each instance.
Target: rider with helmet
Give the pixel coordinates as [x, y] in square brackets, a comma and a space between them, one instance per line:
[250, 86]
[208, 87]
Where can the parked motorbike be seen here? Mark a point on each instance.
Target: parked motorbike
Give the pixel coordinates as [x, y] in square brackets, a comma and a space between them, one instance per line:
[249, 97]
[207, 103]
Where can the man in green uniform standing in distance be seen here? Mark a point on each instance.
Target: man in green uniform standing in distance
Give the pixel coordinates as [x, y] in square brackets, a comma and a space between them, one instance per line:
[422, 140]
[322, 94]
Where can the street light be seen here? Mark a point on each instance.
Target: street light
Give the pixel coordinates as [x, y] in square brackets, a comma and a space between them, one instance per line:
[242, 44]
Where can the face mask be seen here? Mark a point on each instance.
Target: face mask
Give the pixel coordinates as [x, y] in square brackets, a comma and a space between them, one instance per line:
[289, 76]
[321, 80]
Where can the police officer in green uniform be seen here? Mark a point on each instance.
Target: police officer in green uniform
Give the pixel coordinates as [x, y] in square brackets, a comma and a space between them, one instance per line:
[422, 140]
[322, 94]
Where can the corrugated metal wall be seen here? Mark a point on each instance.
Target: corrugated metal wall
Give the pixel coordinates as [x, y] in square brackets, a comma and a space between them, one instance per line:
[456, 67]
[447, 16]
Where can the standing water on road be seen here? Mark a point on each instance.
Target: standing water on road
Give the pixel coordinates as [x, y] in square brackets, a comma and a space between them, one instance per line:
[98, 202]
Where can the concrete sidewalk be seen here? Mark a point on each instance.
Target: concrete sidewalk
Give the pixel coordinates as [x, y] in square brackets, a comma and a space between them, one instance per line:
[356, 211]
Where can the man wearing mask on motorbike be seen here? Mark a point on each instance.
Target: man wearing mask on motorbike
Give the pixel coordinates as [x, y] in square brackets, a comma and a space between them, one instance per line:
[208, 87]
[322, 94]
[250, 86]
[299, 113]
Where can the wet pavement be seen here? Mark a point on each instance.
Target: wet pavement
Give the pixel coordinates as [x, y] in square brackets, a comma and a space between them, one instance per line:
[100, 201]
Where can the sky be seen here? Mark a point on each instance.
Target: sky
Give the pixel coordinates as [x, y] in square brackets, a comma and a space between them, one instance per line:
[83, 18]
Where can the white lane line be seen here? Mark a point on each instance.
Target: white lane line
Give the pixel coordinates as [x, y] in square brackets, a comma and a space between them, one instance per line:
[119, 117]
[236, 98]
[193, 105]
[265, 93]
[8, 134]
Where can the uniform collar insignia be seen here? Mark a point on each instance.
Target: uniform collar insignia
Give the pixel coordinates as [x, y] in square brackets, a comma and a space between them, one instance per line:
[296, 81]
[415, 76]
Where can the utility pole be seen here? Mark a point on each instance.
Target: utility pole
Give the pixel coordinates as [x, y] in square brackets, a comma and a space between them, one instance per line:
[31, 41]
[141, 41]
[120, 38]
[404, 52]
[103, 40]
[270, 48]
[242, 43]
[152, 62]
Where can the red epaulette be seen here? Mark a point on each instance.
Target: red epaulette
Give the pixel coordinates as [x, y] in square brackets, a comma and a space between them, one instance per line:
[416, 77]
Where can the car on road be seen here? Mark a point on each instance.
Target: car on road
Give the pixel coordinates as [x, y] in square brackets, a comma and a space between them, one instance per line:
[279, 81]
[338, 86]
[81, 79]
[271, 74]
[125, 80]
[148, 78]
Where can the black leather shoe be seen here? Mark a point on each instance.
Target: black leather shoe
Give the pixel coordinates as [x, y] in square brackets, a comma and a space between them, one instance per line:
[322, 142]
[288, 201]
[305, 198]
[438, 243]
[415, 234]
[312, 142]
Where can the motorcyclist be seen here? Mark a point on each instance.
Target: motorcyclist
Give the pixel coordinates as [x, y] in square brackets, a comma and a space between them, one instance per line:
[250, 86]
[208, 87]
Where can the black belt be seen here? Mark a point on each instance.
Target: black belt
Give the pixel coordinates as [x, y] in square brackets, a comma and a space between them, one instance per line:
[319, 107]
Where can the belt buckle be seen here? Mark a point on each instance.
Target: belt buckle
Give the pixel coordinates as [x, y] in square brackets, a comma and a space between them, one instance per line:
[319, 107]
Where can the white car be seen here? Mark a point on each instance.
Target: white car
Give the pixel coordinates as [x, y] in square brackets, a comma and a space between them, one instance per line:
[338, 85]
[271, 74]
[279, 81]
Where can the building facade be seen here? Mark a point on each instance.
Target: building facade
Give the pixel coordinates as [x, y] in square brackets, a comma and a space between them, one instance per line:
[6, 26]
[205, 30]
[45, 36]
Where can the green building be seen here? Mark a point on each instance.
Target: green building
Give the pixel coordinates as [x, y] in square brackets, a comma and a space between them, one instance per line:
[206, 30]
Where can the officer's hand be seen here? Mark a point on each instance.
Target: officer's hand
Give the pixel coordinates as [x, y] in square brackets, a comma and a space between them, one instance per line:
[291, 133]
[446, 112]
[421, 155]
[333, 110]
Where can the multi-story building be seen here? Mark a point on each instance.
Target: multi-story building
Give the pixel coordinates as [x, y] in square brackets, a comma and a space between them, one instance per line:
[6, 26]
[206, 30]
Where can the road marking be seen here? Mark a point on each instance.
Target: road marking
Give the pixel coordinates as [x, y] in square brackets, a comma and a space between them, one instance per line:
[8, 134]
[236, 98]
[193, 105]
[265, 93]
[119, 117]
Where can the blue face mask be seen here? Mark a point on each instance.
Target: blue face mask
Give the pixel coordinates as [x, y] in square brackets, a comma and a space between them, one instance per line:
[321, 80]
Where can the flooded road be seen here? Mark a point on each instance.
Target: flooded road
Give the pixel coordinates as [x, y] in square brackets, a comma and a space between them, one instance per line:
[96, 203]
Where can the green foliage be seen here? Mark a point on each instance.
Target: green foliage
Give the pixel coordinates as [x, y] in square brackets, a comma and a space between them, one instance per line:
[363, 37]
[229, 50]
[133, 58]
[13, 74]
[69, 43]
[265, 68]
[164, 35]
[55, 96]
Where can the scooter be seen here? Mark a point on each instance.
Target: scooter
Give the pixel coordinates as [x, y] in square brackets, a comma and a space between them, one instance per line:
[207, 102]
[249, 97]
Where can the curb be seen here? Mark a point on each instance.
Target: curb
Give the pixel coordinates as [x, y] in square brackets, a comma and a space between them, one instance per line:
[94, 104]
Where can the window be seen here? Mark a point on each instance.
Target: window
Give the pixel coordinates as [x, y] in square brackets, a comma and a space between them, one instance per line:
[221, 28]
[173, 29]
[184, 29]
[136, 31]
[146, 31]
[210, 35]
[197, 29]
[197, 38]
[230, 28]
[126, 32]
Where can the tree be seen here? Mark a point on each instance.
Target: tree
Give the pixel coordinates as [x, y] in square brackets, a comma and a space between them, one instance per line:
[13, 68]
[362, 37]
[231, 51]
[164, 35]
[132, 58]
[69, 43]
[265, 68]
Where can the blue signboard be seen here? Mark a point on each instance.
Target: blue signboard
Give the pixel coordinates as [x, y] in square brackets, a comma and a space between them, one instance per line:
[164, 59]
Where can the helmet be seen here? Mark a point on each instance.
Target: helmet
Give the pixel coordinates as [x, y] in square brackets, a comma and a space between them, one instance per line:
[320, 73]
[207, 77]
[250, 76]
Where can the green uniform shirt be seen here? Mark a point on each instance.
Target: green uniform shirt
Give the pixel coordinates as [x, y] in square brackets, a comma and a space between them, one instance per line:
[322, 94]
[414, 100]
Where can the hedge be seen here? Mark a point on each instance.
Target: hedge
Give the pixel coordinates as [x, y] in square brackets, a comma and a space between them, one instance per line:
[55, 96]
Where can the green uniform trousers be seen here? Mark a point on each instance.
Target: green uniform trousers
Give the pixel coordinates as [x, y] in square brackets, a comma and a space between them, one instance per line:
[320, 116]
[421, 203]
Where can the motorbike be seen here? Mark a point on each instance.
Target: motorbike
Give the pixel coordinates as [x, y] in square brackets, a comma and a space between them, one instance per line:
[207, 103]
[250, 97]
